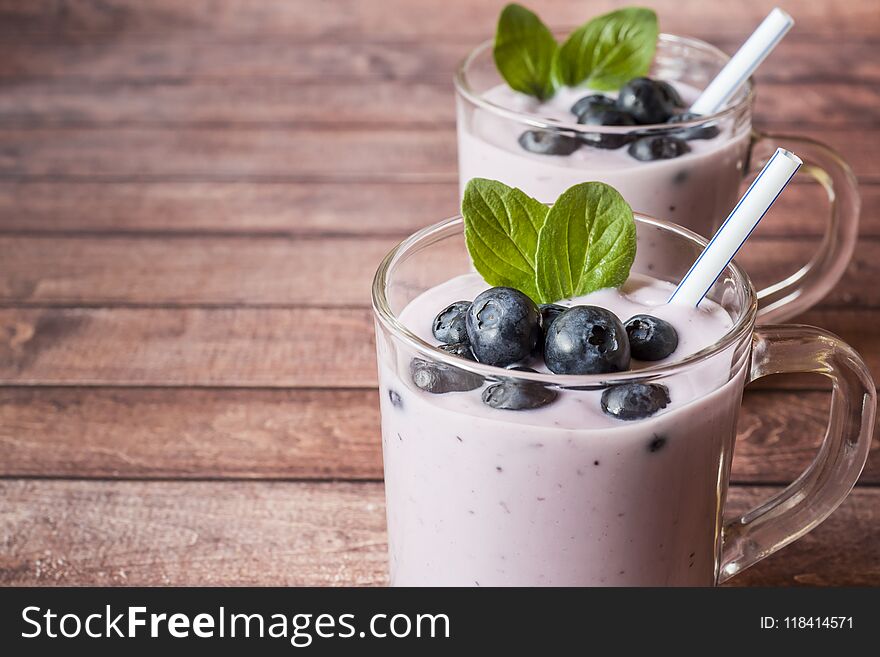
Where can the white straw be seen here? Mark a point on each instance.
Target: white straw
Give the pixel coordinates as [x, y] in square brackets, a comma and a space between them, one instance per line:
[737, 227]
[743, 63]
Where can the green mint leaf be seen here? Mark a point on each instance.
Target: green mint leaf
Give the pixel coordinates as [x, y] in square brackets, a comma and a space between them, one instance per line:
[501, 226]
[524, 52]
[608, 51]
[587, 242]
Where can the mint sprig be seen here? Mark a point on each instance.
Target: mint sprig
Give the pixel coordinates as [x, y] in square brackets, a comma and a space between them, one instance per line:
[604, 53]
[588, 242]
[609, 50]
[501, 230]
[585, 242]
[524, 52]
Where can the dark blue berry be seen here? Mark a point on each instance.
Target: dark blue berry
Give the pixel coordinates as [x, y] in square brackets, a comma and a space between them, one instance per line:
[450, 323]
[591, 103]
[546, 142]
[634, 401]
[709, 131]
[439, 378]
[503, 326]
[518, 395]
[586, 340]
[647, 100]
[460, 349]
[660, 147]
[650, 338]
[671, 93]
[605, 117]
[549, 313]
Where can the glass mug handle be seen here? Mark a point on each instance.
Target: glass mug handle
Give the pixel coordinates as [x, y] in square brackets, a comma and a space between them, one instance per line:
[801, 290]
[830, 477]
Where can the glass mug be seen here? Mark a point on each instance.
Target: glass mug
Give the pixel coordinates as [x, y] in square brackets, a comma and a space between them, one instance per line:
[696, 190]
[479, 496]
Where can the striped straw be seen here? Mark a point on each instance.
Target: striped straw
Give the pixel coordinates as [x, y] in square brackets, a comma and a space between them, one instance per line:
[736, 228]
[743, 63]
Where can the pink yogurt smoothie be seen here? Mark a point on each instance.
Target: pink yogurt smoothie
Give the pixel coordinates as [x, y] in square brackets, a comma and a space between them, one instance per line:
[696, 190]
[563, 495]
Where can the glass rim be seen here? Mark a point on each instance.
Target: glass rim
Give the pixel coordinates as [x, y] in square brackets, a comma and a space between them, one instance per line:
[463, 89]
[430, 234]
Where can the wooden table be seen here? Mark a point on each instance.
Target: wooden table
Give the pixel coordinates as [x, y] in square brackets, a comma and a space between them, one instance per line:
[193, 199]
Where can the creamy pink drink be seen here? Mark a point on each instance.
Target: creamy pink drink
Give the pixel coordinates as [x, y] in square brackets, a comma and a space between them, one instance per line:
[696, 189]
[564, 494]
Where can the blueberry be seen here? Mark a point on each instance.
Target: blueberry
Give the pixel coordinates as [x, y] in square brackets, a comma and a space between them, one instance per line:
[591, 103]
[647, 100]
[503, 326]
[605, 117]
[549, 313]
[586, 340]
[545, 142]
[650, 338]
[699, 132]
[518, 395]
[647, 149]
[460, 349]
[449, 325]
[439, 378]
[670, 92]
[634, 401]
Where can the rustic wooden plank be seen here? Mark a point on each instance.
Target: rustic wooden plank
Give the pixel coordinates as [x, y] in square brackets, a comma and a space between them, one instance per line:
[279, 348]
[191, 270]
[279, 271]
[145, 59]
[288, 533]
[274, 347]
[364, 102]
[426, 153]
[341, 18]
[186, 433]
[303, 208]
[304, 434]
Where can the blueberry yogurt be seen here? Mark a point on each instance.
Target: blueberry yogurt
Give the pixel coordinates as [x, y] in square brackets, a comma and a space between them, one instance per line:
[690, 176]
[503, 481]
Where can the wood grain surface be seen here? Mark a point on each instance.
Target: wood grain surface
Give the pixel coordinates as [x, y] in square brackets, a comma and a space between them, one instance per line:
[295, 533]
[193, 199]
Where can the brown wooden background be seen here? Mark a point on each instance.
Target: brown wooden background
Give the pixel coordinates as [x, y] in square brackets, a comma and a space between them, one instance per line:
[193, 198]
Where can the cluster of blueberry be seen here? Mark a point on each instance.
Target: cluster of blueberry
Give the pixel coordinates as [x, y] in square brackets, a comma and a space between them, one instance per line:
[505, 328]
[641, 101]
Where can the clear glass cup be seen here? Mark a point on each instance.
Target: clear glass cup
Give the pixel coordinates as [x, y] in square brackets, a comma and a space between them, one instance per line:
[479, 496]
[696, 190]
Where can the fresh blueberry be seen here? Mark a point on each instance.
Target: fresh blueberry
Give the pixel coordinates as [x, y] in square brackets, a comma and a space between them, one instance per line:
[650, 338]
[449, 325]
[503, 326]
[599, 116]
[591, 103]
[460, 349]
[658, 147]
[586, 340]
[518, 395]
[549, 313]
[699, 132]
[545, 142]
[439, 378]
[647, 100]
[671, 93]
[634, 401]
